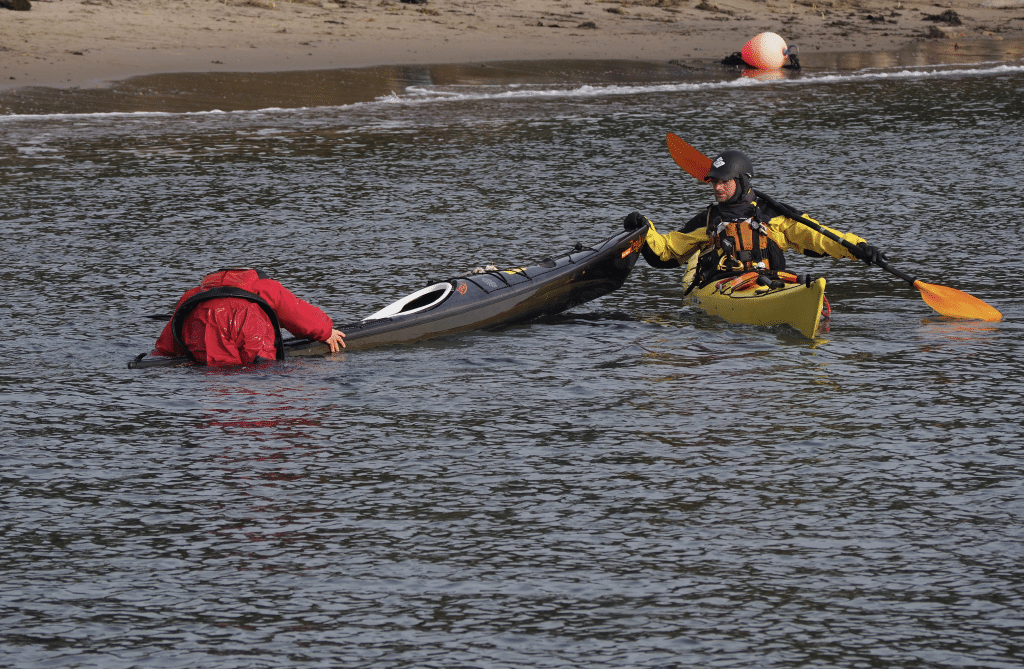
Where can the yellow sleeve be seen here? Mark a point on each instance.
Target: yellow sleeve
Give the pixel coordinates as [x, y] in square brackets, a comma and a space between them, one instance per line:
[675, 245]
[803, 238]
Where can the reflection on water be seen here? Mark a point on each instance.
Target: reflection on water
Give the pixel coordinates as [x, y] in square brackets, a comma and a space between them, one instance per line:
[630, 484]
[193, 92]
[960, 330]
[764, 75]
[928, 52]
[238, 91]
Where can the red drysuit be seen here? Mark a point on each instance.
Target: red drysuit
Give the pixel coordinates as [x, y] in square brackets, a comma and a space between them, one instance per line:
[235, 331]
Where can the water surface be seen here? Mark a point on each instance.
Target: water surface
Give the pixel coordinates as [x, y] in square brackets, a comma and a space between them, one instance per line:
[631, 484]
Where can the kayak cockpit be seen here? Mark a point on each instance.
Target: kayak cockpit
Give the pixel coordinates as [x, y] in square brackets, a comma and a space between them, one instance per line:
[421, 300]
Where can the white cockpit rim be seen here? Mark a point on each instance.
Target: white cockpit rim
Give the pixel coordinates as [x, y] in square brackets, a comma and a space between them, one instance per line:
[421, 300]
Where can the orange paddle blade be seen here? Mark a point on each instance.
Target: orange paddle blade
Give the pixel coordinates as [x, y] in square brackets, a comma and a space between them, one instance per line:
[695, 163]
[956, 303]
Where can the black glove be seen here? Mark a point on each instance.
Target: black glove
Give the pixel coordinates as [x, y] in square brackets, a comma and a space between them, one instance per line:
[634, 220]
[872, 255]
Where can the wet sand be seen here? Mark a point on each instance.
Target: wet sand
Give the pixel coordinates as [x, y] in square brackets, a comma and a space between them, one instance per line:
[70, 46]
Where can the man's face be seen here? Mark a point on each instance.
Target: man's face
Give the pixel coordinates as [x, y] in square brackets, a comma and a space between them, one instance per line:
[723, 189]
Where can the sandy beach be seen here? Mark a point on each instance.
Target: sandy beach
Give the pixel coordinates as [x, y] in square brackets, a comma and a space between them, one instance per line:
[78, 43]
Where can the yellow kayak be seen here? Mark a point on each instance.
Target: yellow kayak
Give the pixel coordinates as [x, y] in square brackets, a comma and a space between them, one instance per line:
[742, 299]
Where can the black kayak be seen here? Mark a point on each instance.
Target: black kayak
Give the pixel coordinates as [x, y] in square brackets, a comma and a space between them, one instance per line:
[480, 300]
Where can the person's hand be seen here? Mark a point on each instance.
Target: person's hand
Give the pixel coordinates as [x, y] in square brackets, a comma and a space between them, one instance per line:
[872, 255]
[336, 341]
[634, 220]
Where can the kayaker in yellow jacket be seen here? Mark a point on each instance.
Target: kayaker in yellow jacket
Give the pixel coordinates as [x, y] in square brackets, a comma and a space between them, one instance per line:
[739, 233]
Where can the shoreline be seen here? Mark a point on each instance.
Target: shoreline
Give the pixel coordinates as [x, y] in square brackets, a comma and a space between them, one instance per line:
[82, 42]
[59, 47]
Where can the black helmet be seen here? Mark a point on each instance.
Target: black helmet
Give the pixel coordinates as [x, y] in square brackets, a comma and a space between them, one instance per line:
[730, 165]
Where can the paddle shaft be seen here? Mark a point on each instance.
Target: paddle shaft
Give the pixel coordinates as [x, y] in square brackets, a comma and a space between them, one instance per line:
[789, 211]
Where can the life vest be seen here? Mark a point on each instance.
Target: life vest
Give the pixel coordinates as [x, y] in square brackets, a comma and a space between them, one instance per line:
[736, 247]
[186, 308]
[744, 244]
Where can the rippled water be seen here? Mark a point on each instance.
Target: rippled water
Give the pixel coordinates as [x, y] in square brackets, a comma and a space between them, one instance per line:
[631, 484]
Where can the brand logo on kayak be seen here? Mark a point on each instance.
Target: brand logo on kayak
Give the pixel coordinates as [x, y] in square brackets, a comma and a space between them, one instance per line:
[462, 288]
[634, 247]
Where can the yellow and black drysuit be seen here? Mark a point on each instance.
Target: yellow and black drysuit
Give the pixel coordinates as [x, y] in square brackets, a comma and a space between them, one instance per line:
[740, 236]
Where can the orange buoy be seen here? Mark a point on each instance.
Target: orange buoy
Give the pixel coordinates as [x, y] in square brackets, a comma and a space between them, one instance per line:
[766, 51]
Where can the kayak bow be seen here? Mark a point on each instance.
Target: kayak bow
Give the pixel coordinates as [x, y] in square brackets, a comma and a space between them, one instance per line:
[743, 299]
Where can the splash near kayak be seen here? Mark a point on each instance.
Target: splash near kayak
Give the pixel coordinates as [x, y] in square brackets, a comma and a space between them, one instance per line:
[766, 51]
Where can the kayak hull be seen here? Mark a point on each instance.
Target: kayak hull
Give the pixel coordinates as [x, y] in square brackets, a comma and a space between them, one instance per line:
[483, 300]
[742, 301]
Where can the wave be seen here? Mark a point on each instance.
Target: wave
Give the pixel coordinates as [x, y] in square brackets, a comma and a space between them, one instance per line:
[423, 94]
[427, 94]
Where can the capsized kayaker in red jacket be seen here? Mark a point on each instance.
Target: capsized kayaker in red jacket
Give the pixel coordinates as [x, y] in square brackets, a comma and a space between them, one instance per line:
[234, 317]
